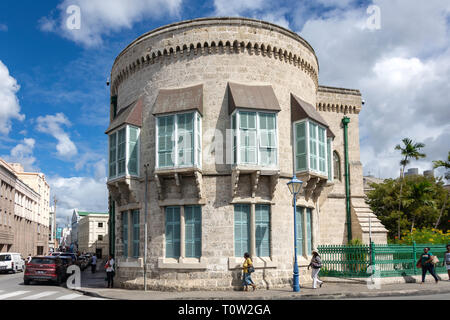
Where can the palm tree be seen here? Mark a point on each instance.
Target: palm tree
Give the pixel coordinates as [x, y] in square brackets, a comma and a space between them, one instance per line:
[409, 151]
[421, 194]
[446, 165]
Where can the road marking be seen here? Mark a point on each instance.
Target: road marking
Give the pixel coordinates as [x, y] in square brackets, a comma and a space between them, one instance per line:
[69, 296]
[12, 294]
[39, 295]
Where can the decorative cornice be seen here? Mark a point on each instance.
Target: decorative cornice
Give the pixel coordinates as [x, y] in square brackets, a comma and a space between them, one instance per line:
[338, 108]
[214, 47]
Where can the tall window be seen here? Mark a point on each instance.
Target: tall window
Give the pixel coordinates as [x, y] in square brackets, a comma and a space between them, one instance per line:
[136, 232]
[193, 231]
[310, 147]
[241, 229]
[124, 152]
[336, 166]
[262, 232]
[329, 162]
[125, 233]
[179, 140]
[304, 231]
[254, 138]
[172, 232]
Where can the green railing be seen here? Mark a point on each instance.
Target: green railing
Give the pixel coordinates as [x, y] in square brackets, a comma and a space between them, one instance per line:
[386, 259]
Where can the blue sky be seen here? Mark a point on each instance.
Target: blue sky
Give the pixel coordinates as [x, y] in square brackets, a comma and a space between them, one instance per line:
[54, 102]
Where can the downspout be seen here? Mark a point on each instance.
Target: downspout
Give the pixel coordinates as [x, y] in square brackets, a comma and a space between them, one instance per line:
[345, 122]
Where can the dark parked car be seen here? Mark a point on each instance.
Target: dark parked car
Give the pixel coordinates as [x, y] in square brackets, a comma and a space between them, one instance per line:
[49, 268]
[71, 255]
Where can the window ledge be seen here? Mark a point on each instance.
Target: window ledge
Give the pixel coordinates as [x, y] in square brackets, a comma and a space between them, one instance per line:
[130, 262]
[172, 170]
[249, 168]
[258, 263]
[121, 178]
[182, 263]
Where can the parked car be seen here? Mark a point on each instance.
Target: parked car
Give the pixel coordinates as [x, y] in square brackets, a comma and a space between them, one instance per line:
[69, 254]
[11, 261]
[48, 268]
[55, 254]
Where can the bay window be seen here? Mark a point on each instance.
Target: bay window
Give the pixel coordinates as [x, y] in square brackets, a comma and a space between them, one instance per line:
[254, 138]
[124, 152]
[310, 147]
[178, 142]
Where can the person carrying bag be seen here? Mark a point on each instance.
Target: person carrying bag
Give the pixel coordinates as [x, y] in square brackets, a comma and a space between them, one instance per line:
[316, 264]
[110, 271]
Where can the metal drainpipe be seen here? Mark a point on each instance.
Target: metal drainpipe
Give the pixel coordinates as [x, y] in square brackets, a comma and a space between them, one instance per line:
[345, 122]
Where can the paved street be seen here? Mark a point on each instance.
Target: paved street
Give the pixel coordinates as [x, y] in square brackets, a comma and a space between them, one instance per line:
[440, 296]
[12, 288]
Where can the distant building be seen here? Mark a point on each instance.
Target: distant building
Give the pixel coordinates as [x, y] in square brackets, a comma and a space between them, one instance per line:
[415, 172]
[74, 224]
[93, 233]
[24, 210]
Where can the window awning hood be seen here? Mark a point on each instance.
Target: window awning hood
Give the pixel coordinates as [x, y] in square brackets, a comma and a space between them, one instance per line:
[301, 109]
[179, 100]
[131, 114]
[261, 97]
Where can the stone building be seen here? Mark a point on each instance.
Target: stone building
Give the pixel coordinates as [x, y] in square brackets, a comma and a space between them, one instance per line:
[224, 111]
[24, 217]
[93, 233]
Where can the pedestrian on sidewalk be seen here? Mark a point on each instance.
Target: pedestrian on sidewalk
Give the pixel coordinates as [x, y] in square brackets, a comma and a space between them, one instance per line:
[316, 264]
[29, 258]
[425, 262]
[110, 271]
[94, 263]
[447, 260]
[247, 271]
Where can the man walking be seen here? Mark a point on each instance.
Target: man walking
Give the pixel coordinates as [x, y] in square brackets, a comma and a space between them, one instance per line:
[94, 263]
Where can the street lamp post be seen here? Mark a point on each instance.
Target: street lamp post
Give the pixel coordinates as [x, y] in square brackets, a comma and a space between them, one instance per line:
[295, 186]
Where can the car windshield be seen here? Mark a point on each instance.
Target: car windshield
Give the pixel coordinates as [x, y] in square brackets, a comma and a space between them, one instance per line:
[5, 257]
[43, 261]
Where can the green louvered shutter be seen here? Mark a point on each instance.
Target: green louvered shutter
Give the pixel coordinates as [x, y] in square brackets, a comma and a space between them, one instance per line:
[267, 139]
[112, 155]
[166, 129]
[329, 164]
[309, 230]
[193, 231]
[121, 151]
[262, 232]
[300, 140]
[322, 151]
[136, 233]
[125, 233]
[299, 226]
[241, 229]
[133, 136]
[173, 232]
[248, 132]
[185, 139]
[313, 146]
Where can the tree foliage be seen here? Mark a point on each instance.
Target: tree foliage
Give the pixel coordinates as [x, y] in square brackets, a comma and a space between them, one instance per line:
[421, 202]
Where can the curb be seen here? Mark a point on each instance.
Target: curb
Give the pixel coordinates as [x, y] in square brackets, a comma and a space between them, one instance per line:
[331, 296]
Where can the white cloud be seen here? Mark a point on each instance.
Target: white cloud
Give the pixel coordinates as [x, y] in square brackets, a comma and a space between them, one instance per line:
[23, 154]
[53, 125]
[83, 193]
[3, 27]
[9, 103]
[237, 7]
[402, 70]
[99, 17]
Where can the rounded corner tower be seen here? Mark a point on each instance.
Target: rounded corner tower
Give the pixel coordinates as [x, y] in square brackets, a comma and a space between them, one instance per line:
[204, 109]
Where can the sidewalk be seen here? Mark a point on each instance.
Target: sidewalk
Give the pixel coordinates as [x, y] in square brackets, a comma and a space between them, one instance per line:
[95, 285]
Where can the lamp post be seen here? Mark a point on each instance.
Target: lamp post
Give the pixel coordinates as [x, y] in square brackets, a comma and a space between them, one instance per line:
[295, 187]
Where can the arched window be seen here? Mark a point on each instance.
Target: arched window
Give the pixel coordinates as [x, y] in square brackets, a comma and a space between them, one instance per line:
[336, 166]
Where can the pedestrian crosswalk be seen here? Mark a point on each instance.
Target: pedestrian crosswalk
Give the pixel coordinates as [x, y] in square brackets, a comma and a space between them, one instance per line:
[45, 295]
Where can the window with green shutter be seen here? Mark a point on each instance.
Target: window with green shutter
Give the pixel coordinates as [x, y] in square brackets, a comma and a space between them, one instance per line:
[133, 147]
[262, 232]
[198, 144]
[136, 232]
[173, 232]
[125, 233]
[112, 155]
[329, 163]
[185, 139]
[313, 146]
[166, 129]
[121, 152]
[247, 133]
[299, 228]
[309, 231]
[241, 229]
[300, 143]
[322, 151]
[193, 231]
[267, 139]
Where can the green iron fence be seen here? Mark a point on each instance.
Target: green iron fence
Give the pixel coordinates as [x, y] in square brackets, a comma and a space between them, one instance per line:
[387, 259]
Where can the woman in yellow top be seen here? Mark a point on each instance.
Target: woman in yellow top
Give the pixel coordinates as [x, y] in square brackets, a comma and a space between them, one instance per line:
[247, 275]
